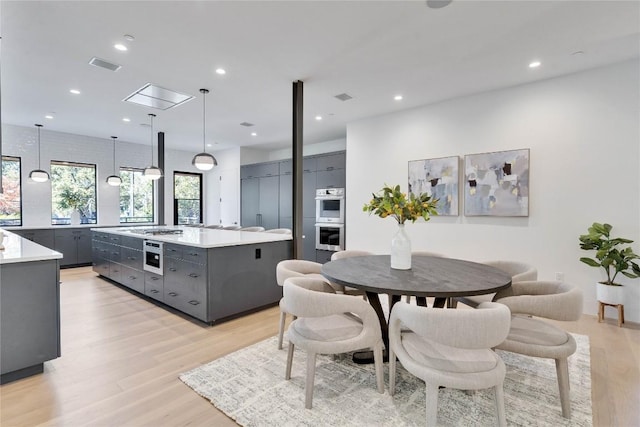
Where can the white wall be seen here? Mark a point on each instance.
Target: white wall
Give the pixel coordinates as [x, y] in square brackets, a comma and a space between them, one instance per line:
[584, 136]
[36, 197]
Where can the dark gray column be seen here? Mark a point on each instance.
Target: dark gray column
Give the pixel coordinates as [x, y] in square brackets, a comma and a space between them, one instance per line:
[161, 180]
[297, 168]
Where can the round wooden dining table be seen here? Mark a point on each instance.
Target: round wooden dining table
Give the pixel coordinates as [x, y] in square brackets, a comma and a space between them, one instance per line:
[429, 276]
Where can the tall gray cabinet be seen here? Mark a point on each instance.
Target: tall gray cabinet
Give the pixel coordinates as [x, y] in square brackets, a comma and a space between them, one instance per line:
[258, 200]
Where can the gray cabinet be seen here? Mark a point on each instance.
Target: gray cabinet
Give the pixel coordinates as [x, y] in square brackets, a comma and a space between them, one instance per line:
[260, 170]
[154, 285]
[119, 258]
[41, 237]
[185, 282]
[323, 256]
[29, 317]
[259, 201]
[331, 171]
[74, 244]
[309, 241]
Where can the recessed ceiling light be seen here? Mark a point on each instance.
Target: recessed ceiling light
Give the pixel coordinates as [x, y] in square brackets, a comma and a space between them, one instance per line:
[129, 37]
[126, 119]
[398, 97]
[120, 47]
[535, 64]
[208, 145]
[48, 116]
[318, 117]
[75, 91]
[254, 134]
[221, 71]
[578, 52]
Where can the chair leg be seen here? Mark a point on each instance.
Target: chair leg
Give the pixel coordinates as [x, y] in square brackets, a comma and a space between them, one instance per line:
[308, 386]
[283, 318]
[562, 371]
[287, 375]
[499, 396]
[432, 404]
[377, 360]
[392, 371]
[452, 302]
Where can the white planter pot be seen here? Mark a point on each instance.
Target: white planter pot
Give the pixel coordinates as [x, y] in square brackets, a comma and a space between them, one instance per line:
[401, 250]
[75, 218]
[610, 294]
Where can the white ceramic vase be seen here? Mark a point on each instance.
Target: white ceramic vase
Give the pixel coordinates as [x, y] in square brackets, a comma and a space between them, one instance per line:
[610, 294]
[75, 217]
[401, 250]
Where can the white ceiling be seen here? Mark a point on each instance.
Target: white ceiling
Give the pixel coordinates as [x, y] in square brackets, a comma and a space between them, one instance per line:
[371, 50]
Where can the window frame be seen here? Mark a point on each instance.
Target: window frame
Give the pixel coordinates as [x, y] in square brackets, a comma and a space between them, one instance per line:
[175, 200]
[69, 163]
[3, 159]
[153, 197]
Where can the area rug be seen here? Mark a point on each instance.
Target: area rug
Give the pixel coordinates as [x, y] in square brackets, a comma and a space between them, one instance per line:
[249, 387]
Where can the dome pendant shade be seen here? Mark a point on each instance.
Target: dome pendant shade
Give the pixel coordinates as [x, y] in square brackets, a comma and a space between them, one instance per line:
[114, 180]
[204, 161]
[38, 175]
[152, 172]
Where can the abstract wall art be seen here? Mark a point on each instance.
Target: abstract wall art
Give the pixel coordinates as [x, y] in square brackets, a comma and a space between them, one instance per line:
[497, 184]
[438, 178]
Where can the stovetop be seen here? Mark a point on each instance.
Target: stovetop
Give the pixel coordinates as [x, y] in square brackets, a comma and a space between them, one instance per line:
[158, 231]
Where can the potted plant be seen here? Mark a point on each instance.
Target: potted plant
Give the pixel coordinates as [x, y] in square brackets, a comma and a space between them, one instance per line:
[390, 201]
[74, 201]
[613, 257]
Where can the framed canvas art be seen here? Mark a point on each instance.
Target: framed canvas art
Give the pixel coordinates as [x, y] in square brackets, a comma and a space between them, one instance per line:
[438, 178]
[497, 184]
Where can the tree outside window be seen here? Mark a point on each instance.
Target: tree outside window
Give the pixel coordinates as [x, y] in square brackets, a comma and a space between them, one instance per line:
[136, 197]
[73, 189]
[10, 199]
[187, 194]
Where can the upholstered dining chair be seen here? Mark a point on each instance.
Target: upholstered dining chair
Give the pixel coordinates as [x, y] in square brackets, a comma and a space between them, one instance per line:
[252, 229]
[519, 272]
[329, 323]
[279, 231]
[294, 268]
[450, 348]
[347, 254]
[213, 226]
[231, 227]
[534, 337]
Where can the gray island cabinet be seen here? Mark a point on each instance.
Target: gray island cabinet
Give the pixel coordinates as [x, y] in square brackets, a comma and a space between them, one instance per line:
[208, 274]
[29, 307]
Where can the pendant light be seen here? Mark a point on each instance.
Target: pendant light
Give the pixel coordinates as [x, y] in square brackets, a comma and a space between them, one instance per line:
[152, 172]
[38, 175]
[114, 179]
[204, 161]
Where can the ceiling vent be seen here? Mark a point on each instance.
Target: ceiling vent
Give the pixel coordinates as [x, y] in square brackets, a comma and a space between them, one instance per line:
[97, 62]
[247, 124]
[157, 97]
[344, 97]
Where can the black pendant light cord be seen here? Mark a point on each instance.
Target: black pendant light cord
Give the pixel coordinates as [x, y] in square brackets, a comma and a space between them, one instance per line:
[114, 154]
[204, 119]
[39, 164]
[152, 116]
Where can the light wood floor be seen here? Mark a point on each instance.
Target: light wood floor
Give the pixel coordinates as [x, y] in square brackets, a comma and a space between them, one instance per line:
[121, 357]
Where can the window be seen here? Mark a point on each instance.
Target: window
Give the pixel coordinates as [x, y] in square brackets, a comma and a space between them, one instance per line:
[136, 196]
[187, 198]
[73, 193]
[11, 198]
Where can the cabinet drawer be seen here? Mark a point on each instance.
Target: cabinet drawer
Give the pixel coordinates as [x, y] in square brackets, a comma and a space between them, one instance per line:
[101, 267]
[197, 255]
[186, 301]
[154, 286]
[114, 253]
[100, 236]
[187, 274]
[131, 242]
[131, 258]
[114, 239]
[173, 251]
[115, 272]
[133, 279]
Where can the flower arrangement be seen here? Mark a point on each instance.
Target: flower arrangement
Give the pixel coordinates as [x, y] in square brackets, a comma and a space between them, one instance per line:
[390, 201]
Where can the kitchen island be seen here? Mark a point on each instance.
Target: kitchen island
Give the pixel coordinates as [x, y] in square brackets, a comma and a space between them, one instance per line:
[29, 307]
[208, 274]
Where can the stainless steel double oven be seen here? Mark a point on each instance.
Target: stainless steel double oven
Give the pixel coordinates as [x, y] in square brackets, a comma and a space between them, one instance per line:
[330, 206]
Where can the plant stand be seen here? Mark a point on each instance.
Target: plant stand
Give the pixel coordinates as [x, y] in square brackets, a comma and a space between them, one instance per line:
[620, 307]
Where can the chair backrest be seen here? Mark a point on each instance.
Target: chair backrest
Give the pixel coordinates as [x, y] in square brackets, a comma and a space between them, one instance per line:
[213, 226]
[519, 271]
[349, 253]
[295, 268]
[549, 299]
[231, 227]
[279, 231]
[252, 229]
[485, 327]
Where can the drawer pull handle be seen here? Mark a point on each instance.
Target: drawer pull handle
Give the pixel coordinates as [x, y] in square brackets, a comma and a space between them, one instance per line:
[193, 254]
[173, 294]
[132, 277]
[154, 278]
[171, 250]
[154, 291]
[330, 168]
[194, 275]
[194, 302]
[173, 269]
[115, 253]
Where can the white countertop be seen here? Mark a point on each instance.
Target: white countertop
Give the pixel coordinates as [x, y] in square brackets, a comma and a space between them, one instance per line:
[200, 237]
[18, 249]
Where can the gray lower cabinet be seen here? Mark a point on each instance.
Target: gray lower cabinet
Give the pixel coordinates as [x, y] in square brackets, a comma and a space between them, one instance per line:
[42, 237]
[309, 241]
[29, 317]
[323, 256]
[119, 258]
[154, 286]
[259, 201]
[74, 244]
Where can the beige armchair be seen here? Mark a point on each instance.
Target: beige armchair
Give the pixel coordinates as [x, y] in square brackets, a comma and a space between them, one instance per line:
[293, 268]
[256, 228]
[519, 272]
[450, 348]
[536, 338]
[279, 230]
[327, 323]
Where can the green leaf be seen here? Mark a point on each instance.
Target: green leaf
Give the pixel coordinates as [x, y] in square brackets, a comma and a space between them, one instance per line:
[590, 262]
